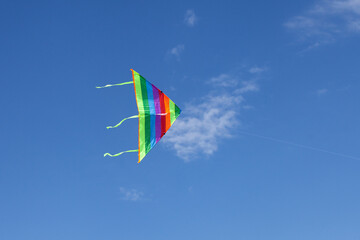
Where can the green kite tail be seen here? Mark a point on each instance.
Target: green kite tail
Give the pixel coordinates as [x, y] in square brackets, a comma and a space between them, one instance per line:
[135, 116]
[118, 154]
[118, 84]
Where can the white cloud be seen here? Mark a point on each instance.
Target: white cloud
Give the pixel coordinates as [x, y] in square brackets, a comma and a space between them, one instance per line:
[257, 70]
[354, 26]
[224, 80]
[206, 122]
[177, 50]
[233, 80]
[326, 21]
[322, 91]
[130, 194]
[337, 6]
[190, 18]
[248, 86]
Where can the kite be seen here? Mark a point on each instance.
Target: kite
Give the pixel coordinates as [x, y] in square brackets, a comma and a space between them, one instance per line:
[156, 115]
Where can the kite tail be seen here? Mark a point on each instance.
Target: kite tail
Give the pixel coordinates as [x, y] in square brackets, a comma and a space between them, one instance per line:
[135, 116]
[118, 154]
[118, 84]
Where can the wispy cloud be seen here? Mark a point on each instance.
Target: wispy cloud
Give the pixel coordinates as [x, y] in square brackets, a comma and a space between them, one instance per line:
[176, 51]
[236, 80]
[224, 80]
[131, 194]
[209, 120]
[321, 92]
[326, 21]
[190, 18]
[257, 69]
[248, 86]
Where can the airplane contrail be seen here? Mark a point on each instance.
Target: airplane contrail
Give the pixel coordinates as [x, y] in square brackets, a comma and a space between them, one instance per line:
[300, 145]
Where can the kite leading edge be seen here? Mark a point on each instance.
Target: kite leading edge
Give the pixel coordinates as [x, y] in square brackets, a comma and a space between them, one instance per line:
[156, 114]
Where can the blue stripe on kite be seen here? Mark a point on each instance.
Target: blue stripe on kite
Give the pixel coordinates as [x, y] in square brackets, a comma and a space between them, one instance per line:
[149, 89]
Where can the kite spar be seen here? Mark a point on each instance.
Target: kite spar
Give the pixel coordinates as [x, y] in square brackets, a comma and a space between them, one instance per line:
[156, 115]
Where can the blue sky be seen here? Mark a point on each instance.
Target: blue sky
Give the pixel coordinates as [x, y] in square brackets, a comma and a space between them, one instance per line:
[266, 146]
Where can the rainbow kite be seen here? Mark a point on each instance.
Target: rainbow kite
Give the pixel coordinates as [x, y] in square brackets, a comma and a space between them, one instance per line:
[156, 114]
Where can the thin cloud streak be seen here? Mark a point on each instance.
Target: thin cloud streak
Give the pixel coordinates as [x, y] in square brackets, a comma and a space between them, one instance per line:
[224, 80]
[257, 70]
[321, 92]
[300, 145]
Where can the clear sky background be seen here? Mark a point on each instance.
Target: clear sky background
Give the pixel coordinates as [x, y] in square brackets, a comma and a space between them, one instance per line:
[269, 92]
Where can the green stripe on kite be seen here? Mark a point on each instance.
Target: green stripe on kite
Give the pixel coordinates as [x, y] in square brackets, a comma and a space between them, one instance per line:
[147, 130]
[177, 111]
[172, 111]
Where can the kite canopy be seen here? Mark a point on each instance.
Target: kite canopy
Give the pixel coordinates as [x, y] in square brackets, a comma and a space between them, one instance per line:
[156, 114]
